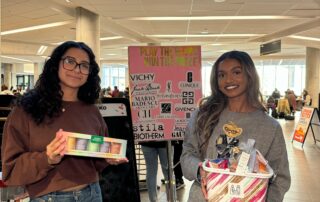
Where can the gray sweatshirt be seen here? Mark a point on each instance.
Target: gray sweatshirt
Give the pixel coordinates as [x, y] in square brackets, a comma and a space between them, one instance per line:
[256, 125]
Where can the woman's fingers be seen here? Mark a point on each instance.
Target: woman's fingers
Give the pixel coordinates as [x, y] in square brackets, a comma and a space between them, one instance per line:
[56, 148]
[204, 190]
[117, 161]
[60, 150]
[203, 175]
[57, 143]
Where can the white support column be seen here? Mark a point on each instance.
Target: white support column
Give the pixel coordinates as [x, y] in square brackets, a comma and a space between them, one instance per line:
[7, 74]
[88, 30]
[37, 71]
[313, 74]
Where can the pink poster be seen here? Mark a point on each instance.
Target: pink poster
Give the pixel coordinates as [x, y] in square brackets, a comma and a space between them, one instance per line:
[165, 87]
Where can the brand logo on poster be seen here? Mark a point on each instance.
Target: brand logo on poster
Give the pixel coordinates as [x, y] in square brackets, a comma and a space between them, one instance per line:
[148, 131]
[142, 77]
[188, 97]
[165, 108]
[145, 89]
[146, 101]
[188, 85]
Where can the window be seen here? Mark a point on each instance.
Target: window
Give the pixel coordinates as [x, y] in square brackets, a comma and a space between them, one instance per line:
[24, 81]
[280, 74]
[114, 75]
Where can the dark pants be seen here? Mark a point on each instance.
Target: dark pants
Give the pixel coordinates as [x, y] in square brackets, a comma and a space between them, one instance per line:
[176, 158]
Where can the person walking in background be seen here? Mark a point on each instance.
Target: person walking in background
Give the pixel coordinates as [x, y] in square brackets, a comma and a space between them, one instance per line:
[235, 98]
[151, 152]
[177, 145]
[292, 100]
[33, 145]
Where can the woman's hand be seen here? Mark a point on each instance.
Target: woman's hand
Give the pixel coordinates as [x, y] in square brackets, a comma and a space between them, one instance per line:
[56, 148]
[203, 175]
[117, 161]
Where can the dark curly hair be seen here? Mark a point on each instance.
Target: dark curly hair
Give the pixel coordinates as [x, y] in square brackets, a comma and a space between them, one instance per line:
[45, 100]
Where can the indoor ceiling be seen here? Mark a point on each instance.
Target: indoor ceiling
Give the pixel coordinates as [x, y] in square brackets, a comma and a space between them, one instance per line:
[217, 27]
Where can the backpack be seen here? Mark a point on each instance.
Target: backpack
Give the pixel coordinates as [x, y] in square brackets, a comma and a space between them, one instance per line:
[289, 117]
[274, 113]
[281, 115]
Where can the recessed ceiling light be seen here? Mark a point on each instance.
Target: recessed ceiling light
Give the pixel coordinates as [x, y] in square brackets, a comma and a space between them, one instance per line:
[110, 38]
[68, 1]
[222, 51]
[16, 58]
[201, 35]
[253, 17]
[219, 1]
[305, 38]
[41, 50]
[37, 27]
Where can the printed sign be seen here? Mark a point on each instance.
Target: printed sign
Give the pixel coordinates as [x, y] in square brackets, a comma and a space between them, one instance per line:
[112, 109]
[301, 129]
[165, 86]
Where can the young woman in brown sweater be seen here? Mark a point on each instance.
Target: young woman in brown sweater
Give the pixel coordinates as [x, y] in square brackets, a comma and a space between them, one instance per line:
[33, 147]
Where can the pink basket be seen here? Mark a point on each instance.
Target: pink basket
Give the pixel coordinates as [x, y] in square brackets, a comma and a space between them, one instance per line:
[225, 186]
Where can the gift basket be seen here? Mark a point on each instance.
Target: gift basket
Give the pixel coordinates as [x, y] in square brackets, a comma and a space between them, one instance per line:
[224, 185]
[239, 173]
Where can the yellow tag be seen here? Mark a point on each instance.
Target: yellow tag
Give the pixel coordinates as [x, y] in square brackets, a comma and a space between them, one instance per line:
[232, 130]
[235, 150]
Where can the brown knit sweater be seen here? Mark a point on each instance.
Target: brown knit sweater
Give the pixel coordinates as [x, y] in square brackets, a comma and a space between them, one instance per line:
[24, 160]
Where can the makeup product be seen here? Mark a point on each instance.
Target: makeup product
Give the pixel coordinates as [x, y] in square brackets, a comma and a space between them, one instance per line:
[71, 143]
[94, 146]
[81, 144]
[105, 147]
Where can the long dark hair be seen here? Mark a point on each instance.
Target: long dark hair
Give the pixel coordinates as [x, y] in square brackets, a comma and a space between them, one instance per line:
[45, 100]
[210, 111]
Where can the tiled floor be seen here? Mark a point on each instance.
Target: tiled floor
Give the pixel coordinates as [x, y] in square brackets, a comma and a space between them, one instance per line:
[304, 168]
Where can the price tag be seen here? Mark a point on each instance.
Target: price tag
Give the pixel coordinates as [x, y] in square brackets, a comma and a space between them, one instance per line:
[243, 163]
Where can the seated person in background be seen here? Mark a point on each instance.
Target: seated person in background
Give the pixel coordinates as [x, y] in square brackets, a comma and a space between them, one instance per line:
[271, 103]
[276, 94]
[108, 92]
[5, 91]
[307, 101]
[115, 92]
[126, 93]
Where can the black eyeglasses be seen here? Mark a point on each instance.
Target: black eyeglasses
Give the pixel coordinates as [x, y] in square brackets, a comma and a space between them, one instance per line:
[70, 64]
